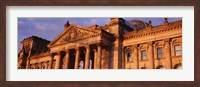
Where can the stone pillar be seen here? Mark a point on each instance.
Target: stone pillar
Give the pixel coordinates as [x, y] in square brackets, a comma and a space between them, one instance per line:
[51, 61]
[135, 56]
[99, 54]
[77, 58]
[167, 53]
[95, 58]
[58, 61]
[87, 57]
[123, 58]
[150, 55]
[66, 59]
[117, 55]
[28, 63]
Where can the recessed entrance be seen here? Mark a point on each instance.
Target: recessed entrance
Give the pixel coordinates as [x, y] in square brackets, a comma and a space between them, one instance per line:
[71, 62]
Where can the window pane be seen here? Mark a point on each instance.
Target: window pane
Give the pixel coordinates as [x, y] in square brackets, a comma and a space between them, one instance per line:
[177, 47]
[143, 54]
[177, 50]
[129, 57]
[159, 52]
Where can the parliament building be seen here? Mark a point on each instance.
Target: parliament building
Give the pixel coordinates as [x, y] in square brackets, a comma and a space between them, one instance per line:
[120, 44]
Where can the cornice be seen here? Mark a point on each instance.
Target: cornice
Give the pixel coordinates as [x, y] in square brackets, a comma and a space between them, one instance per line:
[153, 31]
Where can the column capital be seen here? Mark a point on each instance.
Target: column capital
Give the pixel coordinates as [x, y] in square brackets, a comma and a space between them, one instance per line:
[99, 44]
[53, 54]
[66, 50]
[87, 46]
[167, 40]
[58, 53]
[150, 43]
[94, 50]
[77, 48]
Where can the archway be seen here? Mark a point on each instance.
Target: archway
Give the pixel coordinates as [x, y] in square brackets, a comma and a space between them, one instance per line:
[143, 68]
[71, 62]
[160, 67]
[178, 66]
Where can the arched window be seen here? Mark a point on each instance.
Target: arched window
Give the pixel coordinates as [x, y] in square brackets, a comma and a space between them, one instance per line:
[129, 57]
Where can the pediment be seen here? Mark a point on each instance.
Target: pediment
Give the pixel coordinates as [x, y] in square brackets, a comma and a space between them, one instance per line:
[72, 33]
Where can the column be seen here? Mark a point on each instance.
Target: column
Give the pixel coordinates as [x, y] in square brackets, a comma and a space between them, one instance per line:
[46, 65]
[66, 59]
[58, 60]
[28, 63]
[87, 57]
[123, 58]
[135, 56]
[99, 54]
[150, 55]
[167, 53]
[95, 58]
[77, 58]
[51, 61]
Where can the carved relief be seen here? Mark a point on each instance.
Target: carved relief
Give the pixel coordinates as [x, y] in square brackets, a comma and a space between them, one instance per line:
[74, 34]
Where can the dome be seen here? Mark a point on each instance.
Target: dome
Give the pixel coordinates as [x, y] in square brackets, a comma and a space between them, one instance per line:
[140, 24]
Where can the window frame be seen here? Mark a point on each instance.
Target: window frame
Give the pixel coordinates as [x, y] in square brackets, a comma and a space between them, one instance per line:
[128, 58]
[143, 55]
[159, 52]
[175, 51]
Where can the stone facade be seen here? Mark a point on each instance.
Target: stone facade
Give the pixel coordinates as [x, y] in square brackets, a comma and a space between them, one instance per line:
[115, 45]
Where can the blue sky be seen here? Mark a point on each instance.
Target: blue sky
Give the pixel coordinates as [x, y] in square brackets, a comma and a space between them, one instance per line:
[49, 28]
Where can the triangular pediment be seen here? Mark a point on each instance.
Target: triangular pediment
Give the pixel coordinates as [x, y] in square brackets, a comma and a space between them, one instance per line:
[72, 33]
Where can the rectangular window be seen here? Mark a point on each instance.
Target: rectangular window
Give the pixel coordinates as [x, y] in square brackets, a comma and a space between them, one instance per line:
[143, 52]
[159, 53]
[177, 49]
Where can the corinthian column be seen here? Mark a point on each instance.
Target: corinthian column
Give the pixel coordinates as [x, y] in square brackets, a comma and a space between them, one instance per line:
[150, 55]
[51, 61]
[95, 58]
[67, 59]
[87, 57]
[167, 53]
[77, 58]
[58, 60]
[99, 48]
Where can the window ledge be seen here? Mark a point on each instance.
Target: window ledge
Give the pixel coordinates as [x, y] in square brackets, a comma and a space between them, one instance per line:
[144, 60]
[160, 58]
[130, 62]
[176, 56]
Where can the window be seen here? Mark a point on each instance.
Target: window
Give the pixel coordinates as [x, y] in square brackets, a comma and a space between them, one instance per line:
[159, 53]
[177, 49]
[143, 54]
[129, 57]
